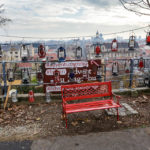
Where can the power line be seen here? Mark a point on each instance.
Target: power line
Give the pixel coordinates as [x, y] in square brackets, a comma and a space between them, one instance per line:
[127, 30]
[71, 37]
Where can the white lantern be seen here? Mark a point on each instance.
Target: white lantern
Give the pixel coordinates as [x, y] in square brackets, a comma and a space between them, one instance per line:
[25, 76]
[24, 53]
[78, 52]
[132, 42]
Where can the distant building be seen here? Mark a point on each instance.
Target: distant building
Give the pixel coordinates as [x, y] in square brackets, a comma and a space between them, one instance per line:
[123, 51]
[10, 52]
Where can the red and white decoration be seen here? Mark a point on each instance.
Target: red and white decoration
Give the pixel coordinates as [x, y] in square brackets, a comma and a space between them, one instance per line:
[41, 51]
[114, 45]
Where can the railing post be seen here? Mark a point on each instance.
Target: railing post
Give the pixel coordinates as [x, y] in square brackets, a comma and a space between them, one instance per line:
[4, 78]
[131, 72]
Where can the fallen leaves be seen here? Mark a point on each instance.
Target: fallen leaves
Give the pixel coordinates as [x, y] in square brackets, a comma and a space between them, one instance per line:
[75, 123]
[37, 119]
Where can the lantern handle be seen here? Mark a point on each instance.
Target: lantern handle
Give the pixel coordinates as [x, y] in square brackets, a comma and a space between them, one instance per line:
[132, 33]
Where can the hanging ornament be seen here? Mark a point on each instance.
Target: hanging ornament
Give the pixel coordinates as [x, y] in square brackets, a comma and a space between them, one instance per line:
[10, 75]
[131, 42]
[99, 73]
[31, 96]
[78, 52]
[25, 76]
[61, 54]
[41, 51]
[48, 97]
[24, 53]
[141, 64]
[148, 38]
[114, 45]
[71, 75]
[56, 76]
[127, 66]
[115, 69]
[40, 76]
[97, 50]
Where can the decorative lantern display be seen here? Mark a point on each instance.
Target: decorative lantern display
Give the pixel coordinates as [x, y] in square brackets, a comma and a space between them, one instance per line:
[114, 45]
[56, 76]
[25, 76]
[48, 97]
[0, 51]
[71, 75]
[14, 95]
[10, 75]
[103, 48]
[127, 66]
[24, 53]
[78, 52]
[147, 81]
[132, 42]
[31, 96]
[141, 64]
[40, 75]
[99, 73]
[61, 54]
[148, 38]
[121, 85]
[147, 78]
[41, 51]
[115, 69]
[97, 50]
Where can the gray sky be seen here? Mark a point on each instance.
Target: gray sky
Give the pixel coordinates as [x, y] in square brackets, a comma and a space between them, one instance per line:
[59, 18]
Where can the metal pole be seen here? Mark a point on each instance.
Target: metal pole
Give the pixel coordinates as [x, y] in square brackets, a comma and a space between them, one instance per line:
[4, 78]
[131, 72]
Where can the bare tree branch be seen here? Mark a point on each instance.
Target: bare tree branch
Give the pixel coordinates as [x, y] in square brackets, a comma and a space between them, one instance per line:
[3, 20]
[138, 6]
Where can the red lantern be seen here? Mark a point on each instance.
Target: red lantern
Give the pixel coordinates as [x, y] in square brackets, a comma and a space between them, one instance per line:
[127, 66]
[114, 45]
[97, 50]
[148, 39]
[31, 96]
[39, 76]
[41, 51]
[56, 76]
[141, 64]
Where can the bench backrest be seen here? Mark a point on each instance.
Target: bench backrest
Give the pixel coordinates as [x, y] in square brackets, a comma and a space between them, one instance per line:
[86, 90]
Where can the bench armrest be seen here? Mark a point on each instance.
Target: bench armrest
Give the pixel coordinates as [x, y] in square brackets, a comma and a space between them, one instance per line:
[117, 97]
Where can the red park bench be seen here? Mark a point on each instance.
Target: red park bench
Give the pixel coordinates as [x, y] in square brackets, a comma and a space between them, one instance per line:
[86, 91]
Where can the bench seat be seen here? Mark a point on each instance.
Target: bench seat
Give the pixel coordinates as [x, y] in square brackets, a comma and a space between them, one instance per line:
[101, 90]
[89, 106]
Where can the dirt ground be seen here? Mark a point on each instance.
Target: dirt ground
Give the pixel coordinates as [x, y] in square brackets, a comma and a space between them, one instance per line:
[28, 121]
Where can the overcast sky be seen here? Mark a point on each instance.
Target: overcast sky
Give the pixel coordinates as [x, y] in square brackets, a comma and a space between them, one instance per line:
[58, 18]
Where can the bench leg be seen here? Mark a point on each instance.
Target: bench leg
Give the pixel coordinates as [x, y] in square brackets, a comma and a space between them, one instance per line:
[117, 114]
[66, 120]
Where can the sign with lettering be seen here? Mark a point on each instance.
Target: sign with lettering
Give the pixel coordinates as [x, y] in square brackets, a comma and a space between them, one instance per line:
[69, 72]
